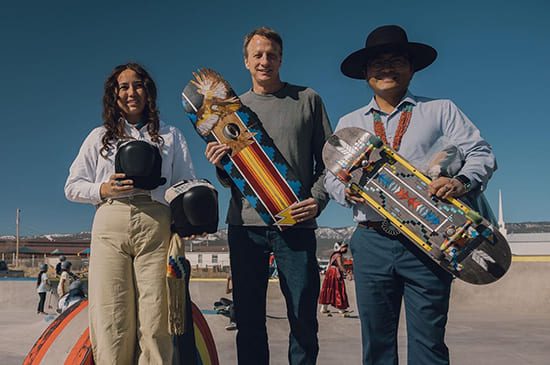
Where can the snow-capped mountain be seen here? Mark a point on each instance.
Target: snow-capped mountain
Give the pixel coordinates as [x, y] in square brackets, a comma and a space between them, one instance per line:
[326, 236]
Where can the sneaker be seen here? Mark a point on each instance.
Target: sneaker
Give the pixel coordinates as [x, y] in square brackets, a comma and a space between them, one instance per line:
[231, 326]
[345, 312]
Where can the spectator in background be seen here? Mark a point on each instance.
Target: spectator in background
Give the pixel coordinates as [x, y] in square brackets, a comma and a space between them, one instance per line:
[58, 269]
[333, 291]
[75, 294]
[65, 278]
[43, 286]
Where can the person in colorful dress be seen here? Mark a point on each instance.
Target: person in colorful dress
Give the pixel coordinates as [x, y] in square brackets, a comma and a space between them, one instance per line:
[333, 291]
[388, 268]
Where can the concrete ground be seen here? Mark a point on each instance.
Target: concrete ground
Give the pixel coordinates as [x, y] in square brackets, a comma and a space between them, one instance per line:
[505, 323]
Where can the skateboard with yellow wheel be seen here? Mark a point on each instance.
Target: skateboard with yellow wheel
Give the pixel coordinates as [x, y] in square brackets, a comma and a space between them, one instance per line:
[449, 232]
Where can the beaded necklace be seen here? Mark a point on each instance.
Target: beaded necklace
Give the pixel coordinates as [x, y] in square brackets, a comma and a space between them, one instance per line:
[404, 120]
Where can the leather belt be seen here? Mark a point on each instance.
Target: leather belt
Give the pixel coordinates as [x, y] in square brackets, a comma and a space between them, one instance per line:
[139, 198]
[376, 225]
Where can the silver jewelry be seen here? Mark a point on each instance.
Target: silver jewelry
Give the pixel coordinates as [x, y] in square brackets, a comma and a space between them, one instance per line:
[118, 183]
[389, 228]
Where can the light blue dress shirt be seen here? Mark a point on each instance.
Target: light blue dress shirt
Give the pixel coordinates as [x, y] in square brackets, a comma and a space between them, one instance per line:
[433, 121]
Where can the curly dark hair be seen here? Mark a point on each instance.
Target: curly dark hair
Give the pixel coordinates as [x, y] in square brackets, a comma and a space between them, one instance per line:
[113, 120]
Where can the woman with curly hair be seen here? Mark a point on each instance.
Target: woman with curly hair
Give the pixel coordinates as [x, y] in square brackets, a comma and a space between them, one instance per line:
[131, 229]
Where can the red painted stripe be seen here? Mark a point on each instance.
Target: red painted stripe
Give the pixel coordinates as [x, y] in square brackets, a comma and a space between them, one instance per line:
[81, 354]
[269, 169]
[262, 195]
[43, 344]
[282, 184]
[268, 182]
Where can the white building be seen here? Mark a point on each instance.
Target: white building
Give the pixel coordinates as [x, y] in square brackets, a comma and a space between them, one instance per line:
[206, 258]
[523, 244]
[529, 244]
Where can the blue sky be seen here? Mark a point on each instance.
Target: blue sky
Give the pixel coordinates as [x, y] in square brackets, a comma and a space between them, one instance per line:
[493, 63]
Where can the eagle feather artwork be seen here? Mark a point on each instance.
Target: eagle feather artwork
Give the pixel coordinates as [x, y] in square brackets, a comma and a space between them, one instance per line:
[219, 100]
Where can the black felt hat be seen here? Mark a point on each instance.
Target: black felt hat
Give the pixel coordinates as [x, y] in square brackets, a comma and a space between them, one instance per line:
[387, 38]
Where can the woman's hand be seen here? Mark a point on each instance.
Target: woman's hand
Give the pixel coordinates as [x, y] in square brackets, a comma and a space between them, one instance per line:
[116, 186]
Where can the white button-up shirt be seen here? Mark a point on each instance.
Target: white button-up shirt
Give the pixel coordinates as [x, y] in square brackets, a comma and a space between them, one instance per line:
[432, 120]
[89, 170]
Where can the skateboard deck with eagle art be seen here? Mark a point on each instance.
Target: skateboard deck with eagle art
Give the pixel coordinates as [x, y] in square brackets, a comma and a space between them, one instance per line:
[453, 235]
[254, 163]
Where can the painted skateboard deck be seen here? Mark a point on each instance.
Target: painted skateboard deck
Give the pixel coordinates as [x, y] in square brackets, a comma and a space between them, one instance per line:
[454, 236]
[67, 340]
[255, 164]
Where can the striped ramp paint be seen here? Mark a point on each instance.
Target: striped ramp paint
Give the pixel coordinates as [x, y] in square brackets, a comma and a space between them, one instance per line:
[67, 341]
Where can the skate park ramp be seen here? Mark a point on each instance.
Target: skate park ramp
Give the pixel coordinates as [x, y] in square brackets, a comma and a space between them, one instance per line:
[504, 323]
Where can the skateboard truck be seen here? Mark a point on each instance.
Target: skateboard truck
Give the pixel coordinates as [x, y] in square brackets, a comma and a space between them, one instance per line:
[360, 161]
[472, 218]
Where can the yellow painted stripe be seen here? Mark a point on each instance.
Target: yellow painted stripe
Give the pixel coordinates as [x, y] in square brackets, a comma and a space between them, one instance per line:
[394, 220]
[272, 184]
[531, 258]
[267, 182]
[201, 347]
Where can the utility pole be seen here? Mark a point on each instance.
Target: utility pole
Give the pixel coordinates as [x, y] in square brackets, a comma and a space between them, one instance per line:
[17, 240]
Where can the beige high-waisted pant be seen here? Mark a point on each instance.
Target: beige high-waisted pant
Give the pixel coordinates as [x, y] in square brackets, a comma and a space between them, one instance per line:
[127, 282]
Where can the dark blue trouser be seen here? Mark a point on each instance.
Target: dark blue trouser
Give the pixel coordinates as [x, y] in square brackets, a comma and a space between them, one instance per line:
[387, 270]
[294, 251]
[42, 301]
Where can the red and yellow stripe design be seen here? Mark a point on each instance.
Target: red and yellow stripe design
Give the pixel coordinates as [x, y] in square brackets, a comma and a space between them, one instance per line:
[266, 181]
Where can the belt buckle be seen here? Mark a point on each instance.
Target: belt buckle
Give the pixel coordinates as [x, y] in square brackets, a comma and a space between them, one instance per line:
[389, 228]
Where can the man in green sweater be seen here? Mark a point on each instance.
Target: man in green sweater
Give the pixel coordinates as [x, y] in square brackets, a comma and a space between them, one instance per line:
[296, 120]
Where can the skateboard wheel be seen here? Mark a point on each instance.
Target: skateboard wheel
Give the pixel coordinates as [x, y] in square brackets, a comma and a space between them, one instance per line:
[344, 175]
[437, 253]
[231, 131]
[450, 231]
[375, 141]
[474, 216]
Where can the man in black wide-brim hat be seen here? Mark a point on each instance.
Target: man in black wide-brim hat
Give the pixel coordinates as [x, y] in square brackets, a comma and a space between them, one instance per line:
[388, 267]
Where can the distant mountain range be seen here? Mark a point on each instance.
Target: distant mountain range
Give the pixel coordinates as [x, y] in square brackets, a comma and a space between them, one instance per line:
[528, 227]
[326, 236]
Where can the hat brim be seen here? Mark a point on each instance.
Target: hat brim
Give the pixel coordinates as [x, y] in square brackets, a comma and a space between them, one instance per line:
[421, 56]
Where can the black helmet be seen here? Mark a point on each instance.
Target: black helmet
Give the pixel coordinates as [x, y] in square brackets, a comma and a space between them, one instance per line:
[77, 284]
[141, 162]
